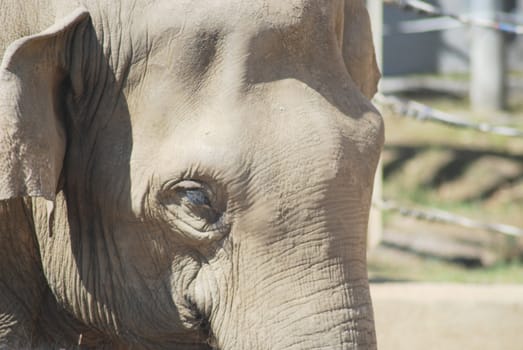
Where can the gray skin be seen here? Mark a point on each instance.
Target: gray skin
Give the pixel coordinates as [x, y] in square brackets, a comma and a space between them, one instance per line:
[186, 174]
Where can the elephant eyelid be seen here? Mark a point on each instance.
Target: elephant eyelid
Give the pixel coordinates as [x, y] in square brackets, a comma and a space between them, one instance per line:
[196, 192]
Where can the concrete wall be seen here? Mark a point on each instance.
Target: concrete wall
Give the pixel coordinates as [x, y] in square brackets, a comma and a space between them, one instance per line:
[439, 51]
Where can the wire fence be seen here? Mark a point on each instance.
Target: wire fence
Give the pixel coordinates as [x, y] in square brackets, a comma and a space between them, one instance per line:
[422, 112]
[428, 9]
[438, 215]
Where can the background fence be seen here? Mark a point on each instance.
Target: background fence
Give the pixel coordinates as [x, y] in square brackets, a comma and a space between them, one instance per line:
[494, 26]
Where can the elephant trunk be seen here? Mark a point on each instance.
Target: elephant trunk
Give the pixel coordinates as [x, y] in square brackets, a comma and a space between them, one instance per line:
[307, 315]
[308, 295]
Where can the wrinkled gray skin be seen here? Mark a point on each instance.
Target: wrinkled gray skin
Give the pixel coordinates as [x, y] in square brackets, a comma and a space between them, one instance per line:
[186, 174]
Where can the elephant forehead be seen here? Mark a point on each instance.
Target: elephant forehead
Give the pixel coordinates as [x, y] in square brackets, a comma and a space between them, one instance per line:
[179, 23]
[282, 129]
[190, 14]
[208, 142]
[214, 140]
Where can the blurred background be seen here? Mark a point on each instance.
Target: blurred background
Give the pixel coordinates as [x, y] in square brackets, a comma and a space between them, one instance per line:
[459, 68]
[447, 218]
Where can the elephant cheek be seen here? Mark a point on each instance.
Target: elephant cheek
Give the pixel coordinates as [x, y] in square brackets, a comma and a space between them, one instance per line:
[144, 250]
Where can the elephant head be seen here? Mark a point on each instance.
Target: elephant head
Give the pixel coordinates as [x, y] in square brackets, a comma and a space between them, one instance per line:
[194, 174]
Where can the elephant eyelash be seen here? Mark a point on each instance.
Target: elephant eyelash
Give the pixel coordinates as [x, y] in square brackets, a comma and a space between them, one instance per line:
[195, 191]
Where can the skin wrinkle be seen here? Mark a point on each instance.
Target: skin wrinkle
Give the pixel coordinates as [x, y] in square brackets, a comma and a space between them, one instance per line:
[110, 254]
[294, 136]
[98, 79]
[97, 310]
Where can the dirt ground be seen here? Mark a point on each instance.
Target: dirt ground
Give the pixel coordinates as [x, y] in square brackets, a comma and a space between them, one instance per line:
[448, 316]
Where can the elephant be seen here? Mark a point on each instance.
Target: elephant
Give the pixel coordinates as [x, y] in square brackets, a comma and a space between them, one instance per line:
[186, 174]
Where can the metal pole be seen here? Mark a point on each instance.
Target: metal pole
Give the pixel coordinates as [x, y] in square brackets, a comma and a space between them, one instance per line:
[487, 56]
[375, 8]
[375, 229]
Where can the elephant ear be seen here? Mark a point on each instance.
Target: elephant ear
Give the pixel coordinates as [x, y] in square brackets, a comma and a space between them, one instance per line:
[32, 136]
[358, 48]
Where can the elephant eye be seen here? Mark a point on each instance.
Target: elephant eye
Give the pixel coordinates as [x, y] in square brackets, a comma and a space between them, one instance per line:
[197, 197]
[196, 202]
[193, 209]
